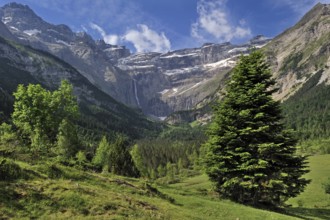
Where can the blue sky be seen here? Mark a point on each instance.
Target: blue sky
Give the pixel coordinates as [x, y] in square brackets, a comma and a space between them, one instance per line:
[163, 25]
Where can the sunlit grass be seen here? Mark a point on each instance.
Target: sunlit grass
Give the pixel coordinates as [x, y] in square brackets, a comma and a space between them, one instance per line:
[78, 194]
[314, 203]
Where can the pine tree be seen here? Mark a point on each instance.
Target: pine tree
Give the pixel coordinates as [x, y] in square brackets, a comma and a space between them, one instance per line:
[138, 160]
[67, 139]
[102, 153]
[121, 159]
[249, 154]
[115, 157]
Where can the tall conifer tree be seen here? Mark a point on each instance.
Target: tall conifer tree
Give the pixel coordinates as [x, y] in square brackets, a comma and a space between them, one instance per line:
[249, 154]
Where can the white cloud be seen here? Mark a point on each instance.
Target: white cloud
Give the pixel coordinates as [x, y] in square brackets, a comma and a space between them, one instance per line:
[123, 15]
[213, 23]
[145, 39]
[84, 28]
[108, 38]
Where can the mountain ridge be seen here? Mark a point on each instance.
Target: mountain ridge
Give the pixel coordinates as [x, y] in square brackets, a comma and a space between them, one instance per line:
[161, 84]
[165, 83]
[23, 65]
[299, 60]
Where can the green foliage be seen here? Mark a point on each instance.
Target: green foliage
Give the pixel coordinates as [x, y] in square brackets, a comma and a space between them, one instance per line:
[156, 153]
[183, 133]
[78, 194]
[138, 160]
[75, 201]
[38, 112]
[9, 170]
[7, 135]
[315, 146]
[177, 145]
[67, 139]
[101, 157]
[115, 157]
[53, 171]
[31, 111]
[307, 111]
[291, 62]
[81, 158]
[120, 160]
[249, 155]
[326, 186]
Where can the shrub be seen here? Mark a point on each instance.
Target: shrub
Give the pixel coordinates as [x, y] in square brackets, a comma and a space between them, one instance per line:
[9, 170]
[53, 171]
[326, 187]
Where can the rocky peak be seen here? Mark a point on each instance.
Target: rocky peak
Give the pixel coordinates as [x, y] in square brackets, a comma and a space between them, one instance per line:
[20, 16]
[259, 39]
[17, 5]
[4, 32]
[22, 20]
[113, 52]
[301, 51]
[314, 13]
[84, 38]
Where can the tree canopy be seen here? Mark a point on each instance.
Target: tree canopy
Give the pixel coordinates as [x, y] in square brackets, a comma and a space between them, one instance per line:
[38, 112]
[249, 154]
[115, 157]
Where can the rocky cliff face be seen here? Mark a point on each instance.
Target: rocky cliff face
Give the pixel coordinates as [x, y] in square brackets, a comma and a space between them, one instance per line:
[157, 83]
[179, 80]
[4, 32]
[301, 51]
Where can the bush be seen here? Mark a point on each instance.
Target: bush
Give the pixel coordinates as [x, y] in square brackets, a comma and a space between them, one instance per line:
[9, 170]
[53, 171]
[6, 134]
[326, 187]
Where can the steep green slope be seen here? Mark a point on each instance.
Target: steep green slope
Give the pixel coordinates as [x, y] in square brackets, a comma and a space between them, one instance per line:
[50, 191]
[308, 110]
[100, 113]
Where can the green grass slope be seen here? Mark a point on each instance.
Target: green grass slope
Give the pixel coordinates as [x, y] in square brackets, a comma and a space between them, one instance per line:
[50, 191]
[314, 203]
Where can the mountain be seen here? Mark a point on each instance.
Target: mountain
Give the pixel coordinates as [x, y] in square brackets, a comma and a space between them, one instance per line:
[100, 113]
[300, 52]
[92, 59]
[180, 79]
[300, 62]
[181, 84]
[159, 84]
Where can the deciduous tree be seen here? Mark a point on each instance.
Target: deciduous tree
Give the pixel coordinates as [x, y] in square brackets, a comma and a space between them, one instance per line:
[38, 112]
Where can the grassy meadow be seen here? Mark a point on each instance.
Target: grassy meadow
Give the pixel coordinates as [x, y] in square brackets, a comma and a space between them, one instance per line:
[49, 191]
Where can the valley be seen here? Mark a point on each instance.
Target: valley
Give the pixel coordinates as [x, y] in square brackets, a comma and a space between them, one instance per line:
[154, 132]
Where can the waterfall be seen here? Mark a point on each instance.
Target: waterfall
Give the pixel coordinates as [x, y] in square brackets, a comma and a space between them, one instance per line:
[135, 92]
